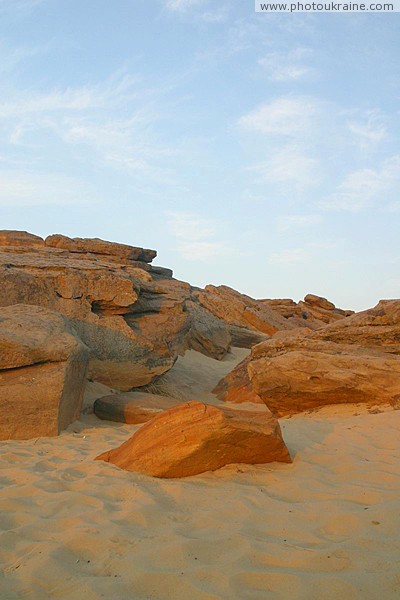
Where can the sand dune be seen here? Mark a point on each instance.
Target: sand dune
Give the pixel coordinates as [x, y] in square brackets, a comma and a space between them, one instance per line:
[325, 527]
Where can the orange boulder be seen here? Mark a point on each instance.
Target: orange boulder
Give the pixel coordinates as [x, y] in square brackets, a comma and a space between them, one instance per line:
[192, 438]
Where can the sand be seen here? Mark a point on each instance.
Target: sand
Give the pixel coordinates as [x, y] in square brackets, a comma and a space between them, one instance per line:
[326, 527]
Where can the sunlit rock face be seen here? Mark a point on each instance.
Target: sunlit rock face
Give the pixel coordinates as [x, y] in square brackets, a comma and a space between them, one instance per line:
[193, 437]
[134, 323]
[42, 372]
[356, 359]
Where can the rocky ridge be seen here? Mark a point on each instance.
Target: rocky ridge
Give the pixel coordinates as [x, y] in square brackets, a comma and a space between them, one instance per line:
[89, 301]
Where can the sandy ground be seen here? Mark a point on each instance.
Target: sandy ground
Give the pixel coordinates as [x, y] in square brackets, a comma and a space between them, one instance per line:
[326, 527]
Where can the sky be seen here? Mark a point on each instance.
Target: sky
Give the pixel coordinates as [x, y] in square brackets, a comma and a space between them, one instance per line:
[255, 150]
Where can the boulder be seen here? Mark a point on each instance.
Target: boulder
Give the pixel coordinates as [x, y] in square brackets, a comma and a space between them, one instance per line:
[317, 307]
[42, 373]
[377, 327]
[236, 386]
[208, 334]
[132, 408]
[295, 375]
[243, 337]
[240, 310]
[192, 438]
[314, 312]
[101, 247]
[135, 327]
[20, 238]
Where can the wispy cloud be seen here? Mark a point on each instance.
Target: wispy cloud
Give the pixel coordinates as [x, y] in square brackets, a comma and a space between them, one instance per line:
[182, 5]
[117, 89]
[190, 226]
[365, 188]
[289, 257]
[369, 129]
[288, 166]
[18, 8]
[84, 117]
[196, 236]
[287, 222]
[288, 67]
[284, 116]
[35, 189]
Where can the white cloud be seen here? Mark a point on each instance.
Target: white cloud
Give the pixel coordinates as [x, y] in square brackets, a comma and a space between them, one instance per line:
[190, 226]
[11, 57]
[288, 166]
[34, 189]
[215, 16]
[18, 8]
[196, 236]
[289, 257]
[182, 5]
[368, 130]
[114, 91]
[202, 250]
[84, 117]
[287, 222]
[286, 116]
[366, 187]
[289, 66]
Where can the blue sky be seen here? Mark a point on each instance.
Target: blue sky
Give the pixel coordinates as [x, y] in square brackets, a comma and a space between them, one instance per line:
[256, 150]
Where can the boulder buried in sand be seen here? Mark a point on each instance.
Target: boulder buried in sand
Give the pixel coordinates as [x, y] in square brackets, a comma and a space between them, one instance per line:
[42, 373]
[132, 408]
[192, 438]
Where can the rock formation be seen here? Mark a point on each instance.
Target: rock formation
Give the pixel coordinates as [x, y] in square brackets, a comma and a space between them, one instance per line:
[208, 334]
[356, 359]
[377, 327]
[132, 408]
[236, 386]
[192, 438]
[241, 312]
[314, 312]
[132, 316]
[293, 376]
[42, 373]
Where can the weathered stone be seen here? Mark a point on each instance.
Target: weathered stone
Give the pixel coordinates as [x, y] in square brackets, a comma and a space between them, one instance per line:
[314, 312]
[20, 238]
[208, 334]
[240, 310]
[293, 376]
[236, 387]
[132, 407]
[192, 438]
[42, 373]
[321, 309]
[377, 327]
[116, 309]
[102, 247]
[243, 337]
[161, 272]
